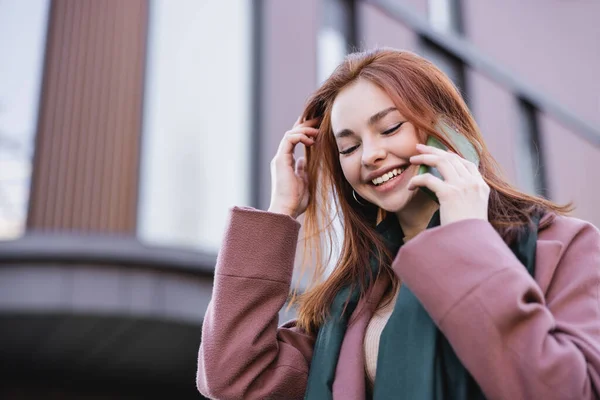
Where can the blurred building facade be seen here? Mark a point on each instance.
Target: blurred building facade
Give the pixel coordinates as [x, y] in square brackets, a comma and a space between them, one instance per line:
[129, 128]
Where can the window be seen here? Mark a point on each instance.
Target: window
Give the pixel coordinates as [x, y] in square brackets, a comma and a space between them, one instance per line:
[23, 27]
[195, 145]
[444, 15]
[530, 164]
[334, 38]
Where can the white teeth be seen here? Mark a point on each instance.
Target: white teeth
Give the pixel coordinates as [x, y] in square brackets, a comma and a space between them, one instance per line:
[387, 176]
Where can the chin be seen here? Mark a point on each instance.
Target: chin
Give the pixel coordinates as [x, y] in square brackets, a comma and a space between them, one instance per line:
[397, 202]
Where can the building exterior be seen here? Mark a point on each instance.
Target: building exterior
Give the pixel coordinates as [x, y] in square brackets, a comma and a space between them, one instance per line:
[128, 129]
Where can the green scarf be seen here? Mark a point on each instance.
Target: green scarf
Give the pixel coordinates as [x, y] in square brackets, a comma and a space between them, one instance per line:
[418, 361]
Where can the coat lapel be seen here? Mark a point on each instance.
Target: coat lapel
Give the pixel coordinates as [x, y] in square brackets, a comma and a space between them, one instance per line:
[349, 382]
[547, 256]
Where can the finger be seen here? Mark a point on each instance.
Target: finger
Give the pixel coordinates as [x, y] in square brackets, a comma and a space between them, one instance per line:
[423, 148]
[427, 180]
[456, 162]
[442, 163]
[310, 123]
[306, 130]
[471, 167]
[451, 157]
[289, 142]
[300, 166]
[301, 169]
[298, 121]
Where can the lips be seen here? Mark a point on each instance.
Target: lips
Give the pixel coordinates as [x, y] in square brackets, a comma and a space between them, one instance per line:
[388, 176]
[392, 184]
[383, 175]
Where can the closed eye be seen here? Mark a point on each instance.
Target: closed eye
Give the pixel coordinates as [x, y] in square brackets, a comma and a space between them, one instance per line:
[387, 132]
[349, 150]
[393, 129]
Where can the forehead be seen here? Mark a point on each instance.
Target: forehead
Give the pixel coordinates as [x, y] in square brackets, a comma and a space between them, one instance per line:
[357, 102]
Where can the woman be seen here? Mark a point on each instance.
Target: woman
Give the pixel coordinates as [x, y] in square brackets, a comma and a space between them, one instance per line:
[489, 293]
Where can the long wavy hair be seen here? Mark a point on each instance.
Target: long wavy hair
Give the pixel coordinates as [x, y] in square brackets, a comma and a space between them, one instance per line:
[422, 93]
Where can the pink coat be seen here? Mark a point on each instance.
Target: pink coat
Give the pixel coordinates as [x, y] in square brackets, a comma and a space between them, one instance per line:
[520, 338]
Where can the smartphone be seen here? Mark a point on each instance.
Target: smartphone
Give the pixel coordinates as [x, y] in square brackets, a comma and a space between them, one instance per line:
[460, 143]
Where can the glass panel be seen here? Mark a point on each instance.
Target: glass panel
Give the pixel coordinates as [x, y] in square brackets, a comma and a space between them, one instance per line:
[331, 49]
[195, 158]
[333, 40]
[23, 27]
[445, 16]
[530, 164]
[439, 15]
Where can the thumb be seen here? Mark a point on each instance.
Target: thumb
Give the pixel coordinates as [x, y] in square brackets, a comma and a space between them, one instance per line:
[301, 171]
[300, 166]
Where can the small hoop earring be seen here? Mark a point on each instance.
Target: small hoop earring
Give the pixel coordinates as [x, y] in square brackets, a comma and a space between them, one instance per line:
[355, 199]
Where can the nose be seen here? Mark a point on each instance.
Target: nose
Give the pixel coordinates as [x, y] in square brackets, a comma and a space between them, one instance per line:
[373, 153]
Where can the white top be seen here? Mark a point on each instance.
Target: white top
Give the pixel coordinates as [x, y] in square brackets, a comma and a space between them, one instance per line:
[372, 336]
[373, 333]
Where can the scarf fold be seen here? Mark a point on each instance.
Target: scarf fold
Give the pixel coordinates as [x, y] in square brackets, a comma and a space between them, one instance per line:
[414, 357]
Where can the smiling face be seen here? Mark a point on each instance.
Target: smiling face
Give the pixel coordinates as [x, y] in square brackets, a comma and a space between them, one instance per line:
[375, 143]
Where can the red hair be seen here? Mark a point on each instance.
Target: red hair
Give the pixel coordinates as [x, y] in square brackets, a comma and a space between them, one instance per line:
[422, 93]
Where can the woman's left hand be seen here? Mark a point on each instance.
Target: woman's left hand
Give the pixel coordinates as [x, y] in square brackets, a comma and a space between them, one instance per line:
[463, 194]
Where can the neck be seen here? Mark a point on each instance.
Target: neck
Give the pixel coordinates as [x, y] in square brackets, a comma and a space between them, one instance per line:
[415, 217]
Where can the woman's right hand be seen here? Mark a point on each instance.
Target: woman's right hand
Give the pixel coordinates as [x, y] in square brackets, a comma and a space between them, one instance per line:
[289, 184]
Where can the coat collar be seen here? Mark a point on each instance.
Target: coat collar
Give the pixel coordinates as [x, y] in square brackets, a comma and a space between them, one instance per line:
[349, 383]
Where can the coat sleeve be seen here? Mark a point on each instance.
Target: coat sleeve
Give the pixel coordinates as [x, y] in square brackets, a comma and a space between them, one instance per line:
[243, 354]
[517, 340]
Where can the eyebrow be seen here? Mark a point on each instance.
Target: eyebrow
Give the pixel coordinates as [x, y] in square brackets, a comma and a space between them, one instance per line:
[377, 117]
[372, 121]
